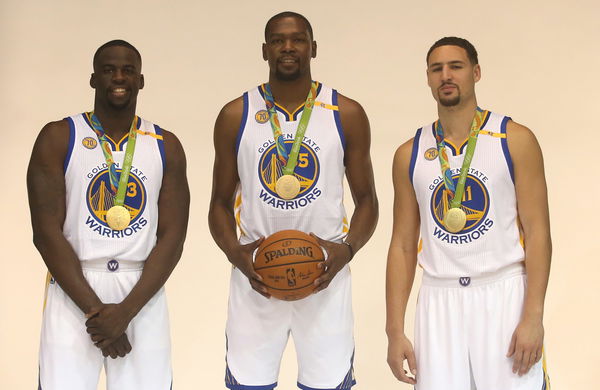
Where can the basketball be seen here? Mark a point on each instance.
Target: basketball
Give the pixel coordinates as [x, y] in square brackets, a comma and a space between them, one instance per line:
[287, 261]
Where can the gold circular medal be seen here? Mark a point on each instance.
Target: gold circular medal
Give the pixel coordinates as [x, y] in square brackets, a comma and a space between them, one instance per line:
[287, 187]
[455, 220]
[118, 217]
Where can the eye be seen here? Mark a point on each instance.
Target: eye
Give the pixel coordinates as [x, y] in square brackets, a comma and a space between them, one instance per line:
[456, 66]
[107, 69]
[276, 41]
[436, 69]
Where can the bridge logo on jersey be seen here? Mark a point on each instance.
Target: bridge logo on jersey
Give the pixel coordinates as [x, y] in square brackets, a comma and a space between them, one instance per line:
[475, 203]
[270, 168]
[261, 116]
[99, 200]
[89, 142]
[431, 154]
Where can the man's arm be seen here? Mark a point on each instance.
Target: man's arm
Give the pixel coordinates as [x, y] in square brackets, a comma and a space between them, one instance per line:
[108, 321]
[532, 205]
[401, 265]
[359, 172]
[47, 194]
[221, 219]
[47, 203]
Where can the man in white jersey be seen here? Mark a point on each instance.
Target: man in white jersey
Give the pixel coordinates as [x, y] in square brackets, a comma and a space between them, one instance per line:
[105, 303]
[484, 241]
[336, 142]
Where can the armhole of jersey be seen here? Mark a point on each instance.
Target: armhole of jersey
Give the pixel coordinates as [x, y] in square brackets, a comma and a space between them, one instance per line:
[242, 124]
[413, 157]
[71, 143]
[161, 145]
[336, 116]
[504, 142]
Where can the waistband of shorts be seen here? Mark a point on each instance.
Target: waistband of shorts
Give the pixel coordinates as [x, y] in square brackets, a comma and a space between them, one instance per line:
[112, 265]
[473, 281]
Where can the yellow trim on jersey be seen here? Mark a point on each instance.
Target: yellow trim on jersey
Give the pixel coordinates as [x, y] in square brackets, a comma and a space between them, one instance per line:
[48, 278]
[492, 134]
[545, 369]
[345, 225]
[153, 135]
[420, 247]
[327, 106]
[238, 211]
[290, 115]
[456, 148]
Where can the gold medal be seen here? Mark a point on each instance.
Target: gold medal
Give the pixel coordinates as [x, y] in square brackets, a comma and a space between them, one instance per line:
[455, 220]
[287, 187]
[118, 217]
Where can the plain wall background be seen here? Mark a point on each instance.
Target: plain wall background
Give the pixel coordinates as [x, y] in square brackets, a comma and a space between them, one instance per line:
[540, 62]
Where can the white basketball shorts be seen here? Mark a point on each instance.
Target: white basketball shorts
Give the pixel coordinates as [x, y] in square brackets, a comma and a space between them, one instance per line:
[70, 361]
[258, 329]
[463, 331]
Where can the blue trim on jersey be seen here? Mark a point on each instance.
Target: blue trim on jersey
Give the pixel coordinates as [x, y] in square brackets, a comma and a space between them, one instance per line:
[71, 143]
[348, 386]
[301, 108]
[336, 116]
[413, 157]
[112, 144]
[233, 384]
[485, 121]
[238, 139]
[504, 142]
[161, 146]
[345, 384]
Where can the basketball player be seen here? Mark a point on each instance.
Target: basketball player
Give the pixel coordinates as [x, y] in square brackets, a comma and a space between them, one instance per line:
[246, 169]
[480, 307]
[105, 295]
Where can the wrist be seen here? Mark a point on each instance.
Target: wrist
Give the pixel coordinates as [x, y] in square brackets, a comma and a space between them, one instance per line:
[350, 250]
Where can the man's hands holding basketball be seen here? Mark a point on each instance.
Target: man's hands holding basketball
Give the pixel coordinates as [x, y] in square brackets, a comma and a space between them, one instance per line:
[338, 255]
[242, 257]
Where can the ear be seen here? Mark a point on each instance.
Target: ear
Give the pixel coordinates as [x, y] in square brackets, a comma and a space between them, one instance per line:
[314, 49]
[141, 81]
[92, 81]
[264, 51]
[427, 76]
[477, 72]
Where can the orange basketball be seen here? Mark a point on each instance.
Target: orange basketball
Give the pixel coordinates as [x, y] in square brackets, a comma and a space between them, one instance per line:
[287, 262]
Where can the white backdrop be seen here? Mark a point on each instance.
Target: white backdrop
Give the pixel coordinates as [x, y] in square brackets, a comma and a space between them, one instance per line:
[539, 62]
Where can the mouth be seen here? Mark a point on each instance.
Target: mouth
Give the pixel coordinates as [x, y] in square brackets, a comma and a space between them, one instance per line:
[448, 88]
[287, 60]
[118, 92]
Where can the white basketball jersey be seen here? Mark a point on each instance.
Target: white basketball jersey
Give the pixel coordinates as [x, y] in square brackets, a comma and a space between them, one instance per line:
[88, 196]
[490, 240]
[318, 208]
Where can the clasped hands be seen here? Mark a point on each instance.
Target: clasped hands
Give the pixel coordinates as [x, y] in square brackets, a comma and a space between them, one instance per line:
[106, 325]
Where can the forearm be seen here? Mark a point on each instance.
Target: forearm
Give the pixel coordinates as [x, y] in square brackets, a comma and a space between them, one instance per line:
[363, 222]
[538, 250]
[221, 221]
[65, 267]
[400, 275]
[157, 268]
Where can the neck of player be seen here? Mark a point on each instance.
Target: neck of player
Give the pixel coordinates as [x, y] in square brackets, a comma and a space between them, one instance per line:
[457, 120]
[115, 122]
[290, 94]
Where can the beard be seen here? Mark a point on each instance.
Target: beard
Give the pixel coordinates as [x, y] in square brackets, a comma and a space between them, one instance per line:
[450, 102]
[287, 76]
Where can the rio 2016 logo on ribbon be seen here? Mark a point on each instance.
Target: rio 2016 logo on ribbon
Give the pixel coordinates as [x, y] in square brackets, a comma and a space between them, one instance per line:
[100, 199]
[475, 203]
[270, 168]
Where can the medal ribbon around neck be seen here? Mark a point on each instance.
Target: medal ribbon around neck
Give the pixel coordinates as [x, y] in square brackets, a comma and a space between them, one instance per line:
[290, 160]
[118, 183]
[457, 191]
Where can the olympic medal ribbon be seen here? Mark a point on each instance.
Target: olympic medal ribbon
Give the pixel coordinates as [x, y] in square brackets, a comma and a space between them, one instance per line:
[118, 216]
[454, 221]
[291, 159]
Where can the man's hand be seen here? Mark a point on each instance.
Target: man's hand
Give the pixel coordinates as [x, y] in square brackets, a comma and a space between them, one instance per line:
[243, 259]
[526, 345]
[106, 323]
[119, 348]
[338, 255]
[400, 349]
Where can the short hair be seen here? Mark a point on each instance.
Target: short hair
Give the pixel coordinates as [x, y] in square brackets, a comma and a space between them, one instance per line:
[289, 14]
[116, 42]
[455, 41]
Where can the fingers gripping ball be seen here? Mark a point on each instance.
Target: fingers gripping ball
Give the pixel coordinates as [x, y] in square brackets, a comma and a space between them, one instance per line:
[287, 262]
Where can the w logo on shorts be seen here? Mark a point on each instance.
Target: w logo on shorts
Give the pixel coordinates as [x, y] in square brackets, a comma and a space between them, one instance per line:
[464, 281]
[112, 265]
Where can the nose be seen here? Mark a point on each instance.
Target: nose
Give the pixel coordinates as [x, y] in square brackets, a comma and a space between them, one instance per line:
[118, 75]
[446, 74]
[288, 45]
